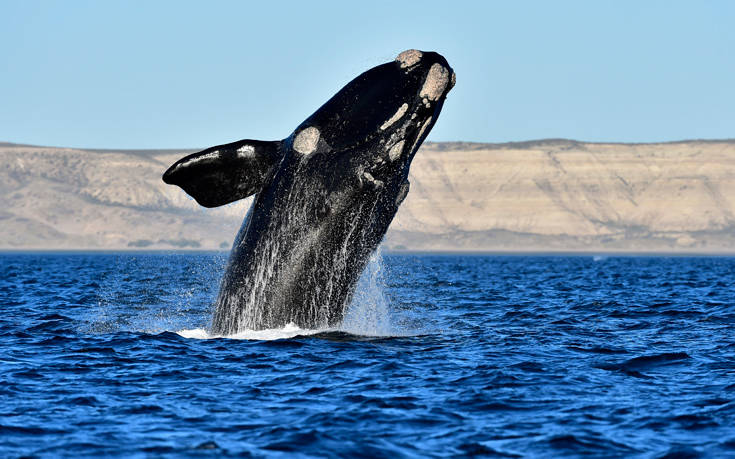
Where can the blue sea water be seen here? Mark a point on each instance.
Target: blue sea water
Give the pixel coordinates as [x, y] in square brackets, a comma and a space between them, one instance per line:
[505, 356]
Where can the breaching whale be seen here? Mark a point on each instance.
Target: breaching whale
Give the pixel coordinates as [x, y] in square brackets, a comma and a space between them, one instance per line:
[325, 195]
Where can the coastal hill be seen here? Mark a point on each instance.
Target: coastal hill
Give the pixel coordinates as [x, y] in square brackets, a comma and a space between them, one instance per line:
[546, 195]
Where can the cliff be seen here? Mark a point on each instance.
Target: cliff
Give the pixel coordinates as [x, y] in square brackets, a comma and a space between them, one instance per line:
[547, 195]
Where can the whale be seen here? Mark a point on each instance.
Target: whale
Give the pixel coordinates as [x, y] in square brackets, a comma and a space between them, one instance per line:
[324, 196]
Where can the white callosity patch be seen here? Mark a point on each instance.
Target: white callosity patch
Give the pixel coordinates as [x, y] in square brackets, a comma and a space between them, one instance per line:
[395, 151]
[436, 82]
[246, 151]
[368, 177]
[409, 58]
[421, 132]
[423, 128]
[306, 140]
[399, 113]
[208, 156]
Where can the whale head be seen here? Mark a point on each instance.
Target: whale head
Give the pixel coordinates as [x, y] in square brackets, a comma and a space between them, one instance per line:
[382, 115]
[361, 141]
[365, 135]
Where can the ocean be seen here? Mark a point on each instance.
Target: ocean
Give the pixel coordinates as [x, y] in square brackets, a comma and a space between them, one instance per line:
[108, 354]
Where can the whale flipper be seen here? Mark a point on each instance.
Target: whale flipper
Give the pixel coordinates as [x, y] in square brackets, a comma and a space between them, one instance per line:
[225, 173]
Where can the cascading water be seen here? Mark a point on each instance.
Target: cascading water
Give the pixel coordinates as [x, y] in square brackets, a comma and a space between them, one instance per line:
[368, 313]
[248, 299]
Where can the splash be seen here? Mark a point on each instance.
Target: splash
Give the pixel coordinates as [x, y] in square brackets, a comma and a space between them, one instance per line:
[368, 313]
[294, 274]
[287, 332]
[133, 296]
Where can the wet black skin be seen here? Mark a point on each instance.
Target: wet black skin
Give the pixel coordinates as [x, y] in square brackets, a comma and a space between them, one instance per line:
[318, 215]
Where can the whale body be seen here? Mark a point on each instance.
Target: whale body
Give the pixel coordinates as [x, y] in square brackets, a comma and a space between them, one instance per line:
[325, 195]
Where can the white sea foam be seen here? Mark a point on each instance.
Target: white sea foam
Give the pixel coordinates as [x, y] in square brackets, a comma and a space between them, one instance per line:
[289, 331]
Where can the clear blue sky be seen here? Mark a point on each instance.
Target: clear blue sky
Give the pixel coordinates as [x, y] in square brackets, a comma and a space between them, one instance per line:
[160, 74]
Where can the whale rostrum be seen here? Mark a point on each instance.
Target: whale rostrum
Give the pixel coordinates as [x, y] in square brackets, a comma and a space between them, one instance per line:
[325, 195]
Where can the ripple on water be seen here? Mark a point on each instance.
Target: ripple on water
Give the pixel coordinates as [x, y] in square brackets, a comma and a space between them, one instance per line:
[457, 355]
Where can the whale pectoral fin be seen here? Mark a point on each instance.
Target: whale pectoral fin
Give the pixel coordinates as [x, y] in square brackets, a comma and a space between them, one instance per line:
[225, 173]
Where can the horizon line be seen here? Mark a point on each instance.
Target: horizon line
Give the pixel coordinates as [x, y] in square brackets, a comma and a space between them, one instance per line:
[468, 252]
[525, 143]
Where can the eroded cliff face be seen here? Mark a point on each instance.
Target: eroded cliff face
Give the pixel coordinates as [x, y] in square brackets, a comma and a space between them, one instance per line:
[72, 199]
[541, 196]
[556, 195]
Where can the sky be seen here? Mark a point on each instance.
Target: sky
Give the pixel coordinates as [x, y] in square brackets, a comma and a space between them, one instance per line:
[179, 74]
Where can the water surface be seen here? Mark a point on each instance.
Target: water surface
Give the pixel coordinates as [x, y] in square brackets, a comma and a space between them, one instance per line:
[102, 354]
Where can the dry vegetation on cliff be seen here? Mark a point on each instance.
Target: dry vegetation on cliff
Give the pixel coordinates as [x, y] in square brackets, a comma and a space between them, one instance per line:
[547, 195]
